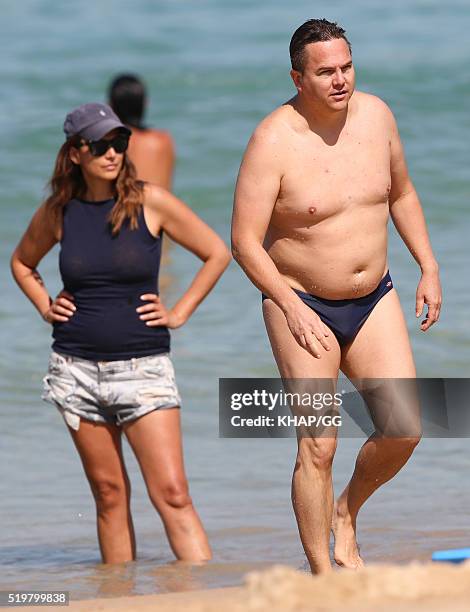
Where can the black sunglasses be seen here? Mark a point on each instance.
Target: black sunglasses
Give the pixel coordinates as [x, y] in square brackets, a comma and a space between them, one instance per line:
[99, 147]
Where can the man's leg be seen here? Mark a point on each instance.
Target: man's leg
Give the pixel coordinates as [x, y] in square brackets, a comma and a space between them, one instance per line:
[381, 349]
[312, 489]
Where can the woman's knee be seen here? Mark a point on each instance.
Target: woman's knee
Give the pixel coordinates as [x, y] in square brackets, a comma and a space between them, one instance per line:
[110, 494]
[173, 494]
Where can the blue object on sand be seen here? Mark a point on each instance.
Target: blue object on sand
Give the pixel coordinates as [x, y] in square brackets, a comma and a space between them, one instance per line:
[457, 555]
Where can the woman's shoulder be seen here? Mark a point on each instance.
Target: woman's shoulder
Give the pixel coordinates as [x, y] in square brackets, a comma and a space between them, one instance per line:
[155, 196]
[45, 223]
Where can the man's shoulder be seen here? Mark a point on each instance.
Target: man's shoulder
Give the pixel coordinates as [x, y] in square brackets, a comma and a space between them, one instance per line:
[369, 103]
[159, 134]
[155, 138]
[278, 125]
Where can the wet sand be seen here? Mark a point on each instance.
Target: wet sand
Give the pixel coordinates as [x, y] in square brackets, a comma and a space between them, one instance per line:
[390, 588]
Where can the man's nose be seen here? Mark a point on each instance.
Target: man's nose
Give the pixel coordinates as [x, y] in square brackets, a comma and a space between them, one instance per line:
[338, 78]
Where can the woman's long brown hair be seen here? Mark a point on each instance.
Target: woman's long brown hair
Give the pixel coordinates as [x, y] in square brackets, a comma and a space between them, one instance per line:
[67, 182]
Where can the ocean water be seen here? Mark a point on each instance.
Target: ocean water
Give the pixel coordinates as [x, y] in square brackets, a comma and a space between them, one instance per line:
[214, 69]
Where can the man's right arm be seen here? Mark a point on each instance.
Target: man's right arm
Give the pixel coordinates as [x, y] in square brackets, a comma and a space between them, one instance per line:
[257, 189]
[256, 192]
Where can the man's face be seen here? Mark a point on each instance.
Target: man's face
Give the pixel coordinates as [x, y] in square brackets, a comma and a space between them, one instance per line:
[328, 75]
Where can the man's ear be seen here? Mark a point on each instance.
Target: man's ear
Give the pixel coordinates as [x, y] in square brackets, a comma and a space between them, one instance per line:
[296, 76]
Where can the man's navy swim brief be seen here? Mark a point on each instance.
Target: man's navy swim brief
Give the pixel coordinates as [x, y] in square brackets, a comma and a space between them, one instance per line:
[346, 317]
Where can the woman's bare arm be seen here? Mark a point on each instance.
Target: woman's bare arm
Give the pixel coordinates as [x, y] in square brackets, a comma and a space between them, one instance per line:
[184, 227]
[36, 242]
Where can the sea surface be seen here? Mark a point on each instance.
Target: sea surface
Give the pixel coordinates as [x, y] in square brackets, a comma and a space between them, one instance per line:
[214, 69]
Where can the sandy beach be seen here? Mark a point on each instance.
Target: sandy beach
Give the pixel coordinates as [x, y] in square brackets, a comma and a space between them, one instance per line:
[414, 587]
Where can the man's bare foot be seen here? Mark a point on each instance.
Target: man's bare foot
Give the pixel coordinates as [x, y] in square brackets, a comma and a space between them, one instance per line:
[346, 552]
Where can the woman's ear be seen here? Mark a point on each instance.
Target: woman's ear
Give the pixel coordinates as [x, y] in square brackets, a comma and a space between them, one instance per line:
[74, 156]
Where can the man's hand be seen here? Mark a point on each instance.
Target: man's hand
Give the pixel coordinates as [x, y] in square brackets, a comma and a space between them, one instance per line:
[429, 292]
[308, 329]
[155, 314]
[61, 309]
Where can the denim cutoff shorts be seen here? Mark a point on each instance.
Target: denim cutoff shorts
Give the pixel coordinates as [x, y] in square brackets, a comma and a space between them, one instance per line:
[115, 392]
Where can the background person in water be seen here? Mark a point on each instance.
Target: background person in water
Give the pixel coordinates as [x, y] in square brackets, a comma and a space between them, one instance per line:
[151, 151]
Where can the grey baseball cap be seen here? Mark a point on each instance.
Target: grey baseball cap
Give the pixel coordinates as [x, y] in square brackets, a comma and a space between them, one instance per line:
[92, 121]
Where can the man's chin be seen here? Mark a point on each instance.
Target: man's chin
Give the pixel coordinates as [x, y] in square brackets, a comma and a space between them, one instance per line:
[339, 104]
[338, 107]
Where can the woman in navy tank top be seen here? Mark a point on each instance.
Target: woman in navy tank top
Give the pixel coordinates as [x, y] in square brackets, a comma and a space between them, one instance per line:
[110, 371]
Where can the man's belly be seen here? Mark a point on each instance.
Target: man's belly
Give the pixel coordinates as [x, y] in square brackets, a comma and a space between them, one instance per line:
[343, 270]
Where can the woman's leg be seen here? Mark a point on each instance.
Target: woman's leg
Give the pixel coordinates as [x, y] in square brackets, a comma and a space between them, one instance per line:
[99, 447]
[156, 441]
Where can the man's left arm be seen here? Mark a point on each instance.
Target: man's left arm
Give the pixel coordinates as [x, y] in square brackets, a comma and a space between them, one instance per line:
[408, 218]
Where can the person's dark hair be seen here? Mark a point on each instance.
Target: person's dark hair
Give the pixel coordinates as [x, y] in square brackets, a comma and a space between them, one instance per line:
[67, 182]
[127, 99]
[313, 30]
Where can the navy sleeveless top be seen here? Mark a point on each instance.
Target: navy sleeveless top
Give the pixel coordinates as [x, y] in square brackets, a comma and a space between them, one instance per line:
[107, 274]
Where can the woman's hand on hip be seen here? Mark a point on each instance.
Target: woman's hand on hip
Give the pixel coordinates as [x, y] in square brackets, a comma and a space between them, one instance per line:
[61, 309]
[155, 314]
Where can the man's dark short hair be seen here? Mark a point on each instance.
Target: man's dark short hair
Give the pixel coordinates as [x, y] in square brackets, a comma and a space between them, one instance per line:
[127, 99]
[313, 30]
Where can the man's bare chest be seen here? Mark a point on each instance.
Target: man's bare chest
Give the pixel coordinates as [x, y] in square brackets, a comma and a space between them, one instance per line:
[320, 181]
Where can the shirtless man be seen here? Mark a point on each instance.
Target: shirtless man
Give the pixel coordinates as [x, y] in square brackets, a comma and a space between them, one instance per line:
[318, 181]
[152, 151]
